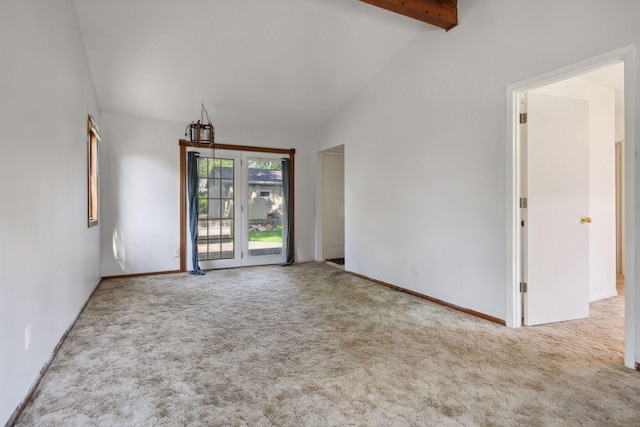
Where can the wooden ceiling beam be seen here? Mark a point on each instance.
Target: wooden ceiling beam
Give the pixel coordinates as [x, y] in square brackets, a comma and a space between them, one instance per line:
[441, 13]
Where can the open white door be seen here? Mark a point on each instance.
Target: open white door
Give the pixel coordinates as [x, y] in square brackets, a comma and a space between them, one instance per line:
[557, 252]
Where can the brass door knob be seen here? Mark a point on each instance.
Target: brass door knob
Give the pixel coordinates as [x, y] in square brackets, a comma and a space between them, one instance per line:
[586, 219]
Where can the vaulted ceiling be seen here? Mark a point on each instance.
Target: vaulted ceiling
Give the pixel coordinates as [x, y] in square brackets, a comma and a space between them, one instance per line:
[289, 64]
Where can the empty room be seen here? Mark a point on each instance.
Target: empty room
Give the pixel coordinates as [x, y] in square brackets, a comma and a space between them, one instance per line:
[319, 212]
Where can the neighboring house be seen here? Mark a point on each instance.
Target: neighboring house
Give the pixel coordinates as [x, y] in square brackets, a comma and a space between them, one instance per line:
[265, 196]
[265, 201]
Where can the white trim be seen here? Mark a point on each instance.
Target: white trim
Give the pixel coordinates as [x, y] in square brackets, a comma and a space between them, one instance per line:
[94, 127]
[514, 308]
[319, 223]
[325, 155]
[514, 311]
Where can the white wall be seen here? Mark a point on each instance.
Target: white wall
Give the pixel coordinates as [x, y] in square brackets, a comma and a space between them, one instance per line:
[602, 231]
[429, 133]
[140, 173]
[49, 259]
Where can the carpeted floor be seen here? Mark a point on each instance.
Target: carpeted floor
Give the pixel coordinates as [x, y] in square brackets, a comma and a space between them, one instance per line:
[311, 345]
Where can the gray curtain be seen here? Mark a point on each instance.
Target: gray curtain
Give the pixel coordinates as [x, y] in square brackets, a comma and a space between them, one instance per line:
[286, 194]
[192, 189]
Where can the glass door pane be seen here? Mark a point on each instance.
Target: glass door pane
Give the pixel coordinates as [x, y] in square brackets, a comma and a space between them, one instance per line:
[265, 211]
[219, 243]
[215, 204]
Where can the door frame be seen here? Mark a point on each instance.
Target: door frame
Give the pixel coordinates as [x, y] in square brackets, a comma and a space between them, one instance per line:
[325, 155]
[320, 188]
[513, 155]
[184, 144]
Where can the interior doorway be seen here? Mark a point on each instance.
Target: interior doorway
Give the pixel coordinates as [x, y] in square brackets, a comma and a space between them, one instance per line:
[333, 206]
[568, 176]
[516, 268]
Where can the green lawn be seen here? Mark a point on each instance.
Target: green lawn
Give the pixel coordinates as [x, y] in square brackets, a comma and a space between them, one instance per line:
[274, 235]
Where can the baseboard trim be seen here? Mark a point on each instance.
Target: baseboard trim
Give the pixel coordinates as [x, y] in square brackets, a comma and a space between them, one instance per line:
[152, 273]
[603, 296]
[434, 300]
[18, 411]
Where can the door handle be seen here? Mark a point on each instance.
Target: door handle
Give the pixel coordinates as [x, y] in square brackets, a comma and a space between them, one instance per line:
[586, 219]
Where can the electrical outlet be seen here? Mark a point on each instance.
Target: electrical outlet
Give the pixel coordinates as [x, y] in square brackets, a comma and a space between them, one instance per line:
[27, 338]
[176, 252]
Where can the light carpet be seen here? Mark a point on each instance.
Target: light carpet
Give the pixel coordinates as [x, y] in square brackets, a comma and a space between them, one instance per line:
[311, 345]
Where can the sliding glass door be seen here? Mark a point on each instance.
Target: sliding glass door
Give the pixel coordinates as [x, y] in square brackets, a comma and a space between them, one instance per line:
[240, 209]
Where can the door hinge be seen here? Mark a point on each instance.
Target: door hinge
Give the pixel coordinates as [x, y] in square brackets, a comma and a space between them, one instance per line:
[523, 118]
[523, 287]
[241, 255]
[241, 208]
[523, 202]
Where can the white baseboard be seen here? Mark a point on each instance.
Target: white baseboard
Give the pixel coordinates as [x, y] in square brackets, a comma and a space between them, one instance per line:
[604, 295]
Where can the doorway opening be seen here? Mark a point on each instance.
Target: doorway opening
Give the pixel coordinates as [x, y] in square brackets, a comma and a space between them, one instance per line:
[333, 206]
[568, 135]
[523, 184]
